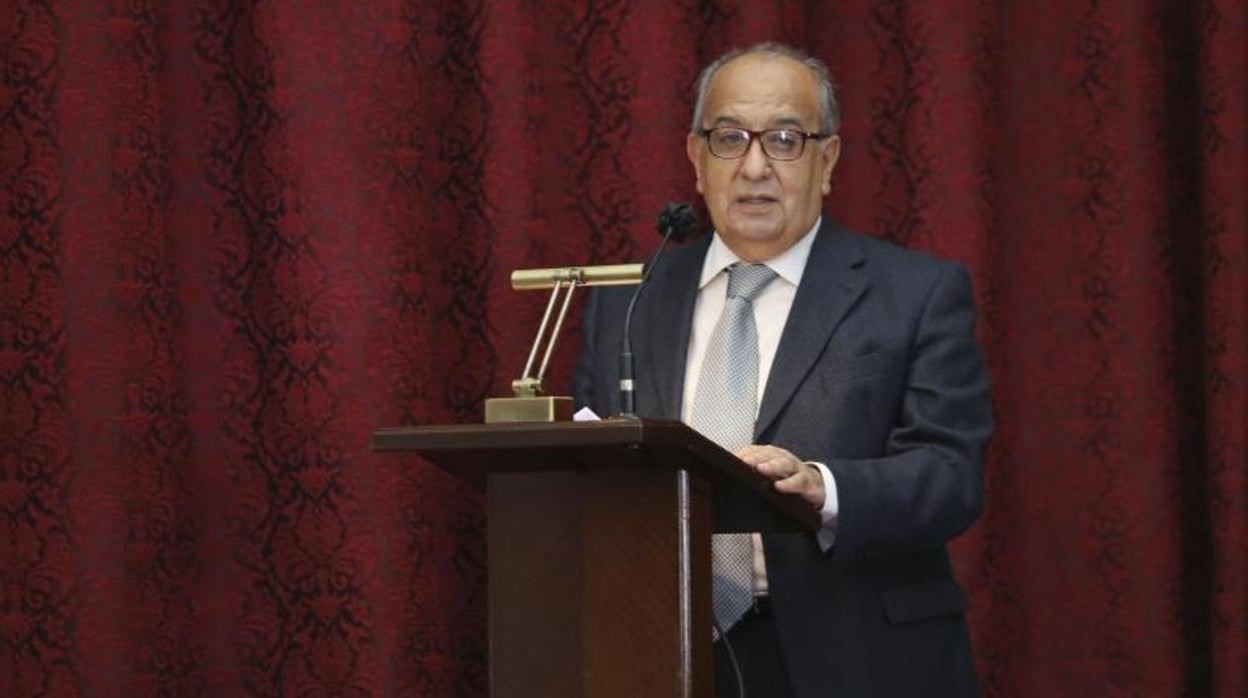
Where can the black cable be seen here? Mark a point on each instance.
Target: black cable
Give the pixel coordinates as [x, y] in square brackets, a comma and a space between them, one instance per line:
[732, 657]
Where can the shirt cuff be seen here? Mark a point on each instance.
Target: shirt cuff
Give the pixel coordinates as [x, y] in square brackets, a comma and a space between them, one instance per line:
[831, 507]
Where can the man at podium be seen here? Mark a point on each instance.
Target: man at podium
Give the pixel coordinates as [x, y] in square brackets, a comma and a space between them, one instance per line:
[842, 367]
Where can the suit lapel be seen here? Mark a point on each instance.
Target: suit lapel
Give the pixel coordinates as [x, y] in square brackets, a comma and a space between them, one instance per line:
[667, 309]
[832, 282]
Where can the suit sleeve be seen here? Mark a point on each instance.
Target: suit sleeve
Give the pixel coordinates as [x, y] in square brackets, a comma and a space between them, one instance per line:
[583, 375]
[928, 485]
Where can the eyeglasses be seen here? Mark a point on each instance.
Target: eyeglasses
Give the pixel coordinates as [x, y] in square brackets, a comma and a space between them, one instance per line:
[730, 142]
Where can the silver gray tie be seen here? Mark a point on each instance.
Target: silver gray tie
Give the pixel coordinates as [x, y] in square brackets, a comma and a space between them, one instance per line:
[725, 406]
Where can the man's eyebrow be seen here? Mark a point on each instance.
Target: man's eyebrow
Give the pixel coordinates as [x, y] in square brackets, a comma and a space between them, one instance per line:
[788, 121]
[778, 122]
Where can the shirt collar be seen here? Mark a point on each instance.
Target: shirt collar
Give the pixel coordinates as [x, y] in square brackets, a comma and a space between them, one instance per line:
[788, 265]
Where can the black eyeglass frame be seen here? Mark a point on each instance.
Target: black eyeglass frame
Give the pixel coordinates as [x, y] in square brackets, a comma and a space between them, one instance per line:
[757, 135]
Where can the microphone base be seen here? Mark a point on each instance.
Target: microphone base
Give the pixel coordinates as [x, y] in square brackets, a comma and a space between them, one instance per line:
[547, 408]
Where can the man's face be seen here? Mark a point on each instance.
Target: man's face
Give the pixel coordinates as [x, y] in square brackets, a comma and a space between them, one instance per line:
[760, 206]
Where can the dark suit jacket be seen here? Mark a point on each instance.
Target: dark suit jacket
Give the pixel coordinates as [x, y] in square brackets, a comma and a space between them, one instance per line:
[878, 375]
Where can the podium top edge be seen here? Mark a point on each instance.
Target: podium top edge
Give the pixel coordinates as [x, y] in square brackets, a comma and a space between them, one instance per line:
[518, 434]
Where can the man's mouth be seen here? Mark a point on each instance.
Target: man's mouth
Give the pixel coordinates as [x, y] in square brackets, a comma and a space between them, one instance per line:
[756, 200]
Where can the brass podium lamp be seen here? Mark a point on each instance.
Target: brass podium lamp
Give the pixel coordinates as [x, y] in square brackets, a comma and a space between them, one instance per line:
[529, 404]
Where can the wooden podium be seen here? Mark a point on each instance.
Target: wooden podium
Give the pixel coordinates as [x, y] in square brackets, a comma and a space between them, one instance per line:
[599, 548]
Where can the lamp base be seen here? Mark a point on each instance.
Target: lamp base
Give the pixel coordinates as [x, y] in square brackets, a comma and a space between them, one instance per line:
[547, 408]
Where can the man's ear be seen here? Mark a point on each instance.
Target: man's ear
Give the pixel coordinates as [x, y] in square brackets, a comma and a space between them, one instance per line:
[693, 148]
[831, 153]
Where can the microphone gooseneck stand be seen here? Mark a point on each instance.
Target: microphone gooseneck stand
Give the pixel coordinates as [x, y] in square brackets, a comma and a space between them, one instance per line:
[676, 222]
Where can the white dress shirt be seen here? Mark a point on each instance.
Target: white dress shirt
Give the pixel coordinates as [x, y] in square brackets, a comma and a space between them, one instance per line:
[771, 311]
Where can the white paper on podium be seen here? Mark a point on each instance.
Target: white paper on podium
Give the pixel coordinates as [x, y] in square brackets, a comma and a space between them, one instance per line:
[586, 415]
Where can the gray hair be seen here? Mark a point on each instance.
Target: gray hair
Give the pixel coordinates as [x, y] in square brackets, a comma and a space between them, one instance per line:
[829, 119]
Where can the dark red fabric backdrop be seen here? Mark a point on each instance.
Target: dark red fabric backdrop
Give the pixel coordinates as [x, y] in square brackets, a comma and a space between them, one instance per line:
[237, 236]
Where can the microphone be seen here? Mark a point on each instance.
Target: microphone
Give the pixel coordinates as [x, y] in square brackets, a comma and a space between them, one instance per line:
[676, 222]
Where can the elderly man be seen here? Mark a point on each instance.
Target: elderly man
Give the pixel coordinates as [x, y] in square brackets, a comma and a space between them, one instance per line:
[840, 366]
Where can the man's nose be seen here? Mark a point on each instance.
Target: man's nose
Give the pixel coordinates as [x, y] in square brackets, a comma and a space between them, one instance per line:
[755, 163]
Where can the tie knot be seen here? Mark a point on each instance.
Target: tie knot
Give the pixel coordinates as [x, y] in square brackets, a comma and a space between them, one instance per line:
[748, 280]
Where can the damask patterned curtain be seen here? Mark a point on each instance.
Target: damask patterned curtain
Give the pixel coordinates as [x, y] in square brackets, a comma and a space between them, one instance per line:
[235, 237]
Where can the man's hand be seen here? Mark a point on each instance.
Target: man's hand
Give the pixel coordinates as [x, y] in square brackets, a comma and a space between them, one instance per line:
[790, 474]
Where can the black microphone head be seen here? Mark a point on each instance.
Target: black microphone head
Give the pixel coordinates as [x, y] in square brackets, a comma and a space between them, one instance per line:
[680, 219]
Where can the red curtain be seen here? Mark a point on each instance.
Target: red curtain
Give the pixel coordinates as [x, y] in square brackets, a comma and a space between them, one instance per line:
[237, 236]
